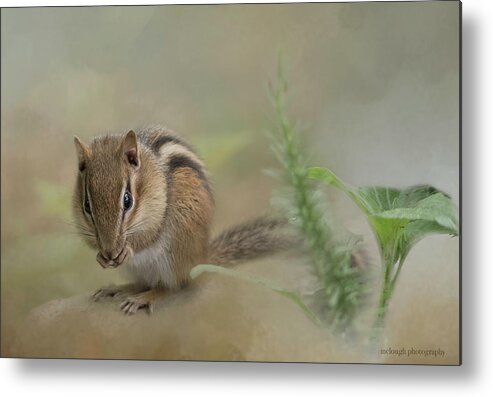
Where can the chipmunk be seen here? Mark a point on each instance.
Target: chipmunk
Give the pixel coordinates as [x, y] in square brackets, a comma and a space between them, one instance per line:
[144, 199]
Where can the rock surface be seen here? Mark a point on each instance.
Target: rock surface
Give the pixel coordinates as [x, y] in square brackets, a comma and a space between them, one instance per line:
[224, 319]
[217, 318]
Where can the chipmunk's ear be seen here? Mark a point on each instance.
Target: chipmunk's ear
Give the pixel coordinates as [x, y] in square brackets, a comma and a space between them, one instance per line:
[130, 149]
[83, 153]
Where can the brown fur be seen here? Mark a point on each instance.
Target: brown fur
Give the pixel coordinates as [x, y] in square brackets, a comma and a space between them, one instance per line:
[249, 240]
[189, 217]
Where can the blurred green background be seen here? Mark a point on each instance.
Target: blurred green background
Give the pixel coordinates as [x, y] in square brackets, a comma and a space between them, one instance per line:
[375, 87]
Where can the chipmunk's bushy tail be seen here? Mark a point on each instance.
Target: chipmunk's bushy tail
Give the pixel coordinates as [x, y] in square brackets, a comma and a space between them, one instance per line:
[250, 240]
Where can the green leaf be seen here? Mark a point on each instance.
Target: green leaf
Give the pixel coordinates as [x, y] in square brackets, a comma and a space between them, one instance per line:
[399, 217]
[291, 295]
[327, 176]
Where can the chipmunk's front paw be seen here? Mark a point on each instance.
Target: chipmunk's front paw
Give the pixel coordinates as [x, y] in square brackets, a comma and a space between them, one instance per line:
[110, 292]
[133, 303]
[116, 291]
[144, 300]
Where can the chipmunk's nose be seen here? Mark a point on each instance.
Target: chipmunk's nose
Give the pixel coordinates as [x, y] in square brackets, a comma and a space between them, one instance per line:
[112, 254]
[110, 258]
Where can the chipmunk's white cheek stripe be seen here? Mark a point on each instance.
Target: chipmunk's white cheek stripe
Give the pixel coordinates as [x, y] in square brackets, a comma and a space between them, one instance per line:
[122, 210]
[130, 217]
[90, 217]
[87, 196]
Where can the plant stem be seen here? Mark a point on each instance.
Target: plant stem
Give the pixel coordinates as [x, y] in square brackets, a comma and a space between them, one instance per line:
[383, 302]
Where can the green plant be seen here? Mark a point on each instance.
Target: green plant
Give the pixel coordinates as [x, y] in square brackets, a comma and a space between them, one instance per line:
[399, 219]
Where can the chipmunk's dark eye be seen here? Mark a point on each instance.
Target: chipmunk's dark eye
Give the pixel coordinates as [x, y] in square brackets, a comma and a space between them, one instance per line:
[87, 207]
[127, 201]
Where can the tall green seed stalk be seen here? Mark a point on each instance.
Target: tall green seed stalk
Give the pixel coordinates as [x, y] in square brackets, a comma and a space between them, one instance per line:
[342, 282]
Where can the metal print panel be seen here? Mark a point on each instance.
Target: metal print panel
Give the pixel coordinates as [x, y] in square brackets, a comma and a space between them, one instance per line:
[267, 182]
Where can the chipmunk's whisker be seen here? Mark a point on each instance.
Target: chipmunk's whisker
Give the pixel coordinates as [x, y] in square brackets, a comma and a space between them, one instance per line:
[86, 234]
[133, 228]
[76, 224]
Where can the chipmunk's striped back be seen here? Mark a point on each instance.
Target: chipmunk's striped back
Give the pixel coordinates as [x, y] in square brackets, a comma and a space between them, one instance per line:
[173, 152]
